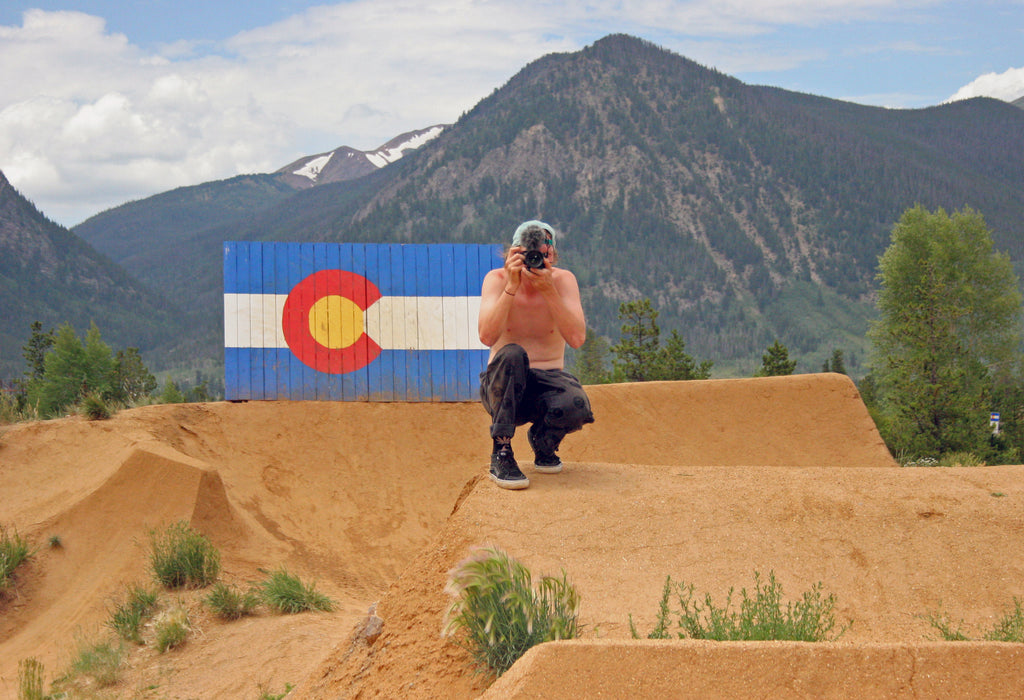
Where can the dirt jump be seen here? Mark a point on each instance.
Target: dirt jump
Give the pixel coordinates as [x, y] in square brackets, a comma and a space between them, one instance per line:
[704, 481]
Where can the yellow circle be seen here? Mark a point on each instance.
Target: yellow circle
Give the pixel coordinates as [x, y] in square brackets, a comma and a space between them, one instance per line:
[335, 322]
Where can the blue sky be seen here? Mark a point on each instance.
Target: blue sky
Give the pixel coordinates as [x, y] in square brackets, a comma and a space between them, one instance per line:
[105, 101]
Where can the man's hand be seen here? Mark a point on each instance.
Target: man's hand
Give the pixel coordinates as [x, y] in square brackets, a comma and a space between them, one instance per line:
[540, 278]
[514, 269]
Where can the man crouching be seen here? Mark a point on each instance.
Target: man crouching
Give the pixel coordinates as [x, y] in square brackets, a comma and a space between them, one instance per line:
[529, 310]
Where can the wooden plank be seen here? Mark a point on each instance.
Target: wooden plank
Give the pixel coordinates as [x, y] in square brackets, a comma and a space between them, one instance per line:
[446, 365]
[255, 312]
[268, 321]
[361, 266]
[293, 255]
[307, 264]
[380, 375]
[399, 321]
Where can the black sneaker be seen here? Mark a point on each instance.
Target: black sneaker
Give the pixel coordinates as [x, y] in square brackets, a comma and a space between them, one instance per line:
[544, 460]
[505, 472]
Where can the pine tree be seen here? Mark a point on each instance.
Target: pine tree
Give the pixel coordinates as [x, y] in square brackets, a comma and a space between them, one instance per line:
[775, 362]
[637, 352]
[590, 366]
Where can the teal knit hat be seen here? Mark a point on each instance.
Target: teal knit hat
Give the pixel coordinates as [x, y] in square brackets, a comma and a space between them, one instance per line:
[517, 237]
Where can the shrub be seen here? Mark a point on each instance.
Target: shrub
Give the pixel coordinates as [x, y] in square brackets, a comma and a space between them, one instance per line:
[30, 680]
[285, 593]
[13, 552]
[127, 617]
[228, 603]
[760, 617]
[171, 629]
[502, 614]
[961, 459]
[182, 557]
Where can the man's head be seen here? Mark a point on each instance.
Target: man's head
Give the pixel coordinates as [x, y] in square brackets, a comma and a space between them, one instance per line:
[536, 236]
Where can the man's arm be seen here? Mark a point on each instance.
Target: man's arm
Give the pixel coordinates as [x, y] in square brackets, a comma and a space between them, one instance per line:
[561, 293]
[495, 304]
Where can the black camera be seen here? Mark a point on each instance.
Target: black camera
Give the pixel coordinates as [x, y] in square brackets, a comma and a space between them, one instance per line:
[532, 240]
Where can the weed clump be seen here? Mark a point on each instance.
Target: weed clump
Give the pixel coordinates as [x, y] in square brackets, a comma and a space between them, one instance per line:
[286, 593]
[13, 552]
[30, 679]
[101, 661]
[95, 408]
[502, 614]
[228, 603]
[171, 629]
[761, 615]
[126, 617]
[183, 558]
[1008, 628]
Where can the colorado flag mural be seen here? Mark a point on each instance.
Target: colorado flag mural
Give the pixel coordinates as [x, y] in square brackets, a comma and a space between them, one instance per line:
[354, 321]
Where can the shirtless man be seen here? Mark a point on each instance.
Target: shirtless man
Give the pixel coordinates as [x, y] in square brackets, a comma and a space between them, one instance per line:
[527, 315]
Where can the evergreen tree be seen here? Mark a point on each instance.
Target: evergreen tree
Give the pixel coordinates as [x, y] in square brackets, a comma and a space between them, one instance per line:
[775, 362]
[835, 363]
[132, 381]
[64, 377]
[72, 370]
[949, 327]
[34, 351]
[171, 393]
[675, 364]
[590, 366]
[636, 353]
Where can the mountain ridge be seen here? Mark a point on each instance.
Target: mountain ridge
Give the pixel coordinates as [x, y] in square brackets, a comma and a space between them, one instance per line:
[50, 275]
[746, 213]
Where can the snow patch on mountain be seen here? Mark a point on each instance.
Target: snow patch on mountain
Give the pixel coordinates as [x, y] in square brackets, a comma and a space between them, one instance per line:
[389, 154]
[313, 168]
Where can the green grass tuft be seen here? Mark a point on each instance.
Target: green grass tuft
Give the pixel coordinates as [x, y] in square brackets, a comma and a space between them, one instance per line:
[285, 593]
[126, 618]
[761, 615]
[14, 551]
[183, 558]
[228, 603]
[30, 680]
[95, 408]
[502, 614]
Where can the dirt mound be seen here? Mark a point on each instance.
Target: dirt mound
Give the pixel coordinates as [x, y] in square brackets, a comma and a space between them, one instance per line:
[707, 481]
[892, 544]
[709, 670]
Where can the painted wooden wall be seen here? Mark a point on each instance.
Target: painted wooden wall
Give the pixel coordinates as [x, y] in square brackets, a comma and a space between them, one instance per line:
[353, 321]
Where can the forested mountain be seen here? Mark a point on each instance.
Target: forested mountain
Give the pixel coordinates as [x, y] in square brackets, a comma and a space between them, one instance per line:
[49, 274]
[746, 213]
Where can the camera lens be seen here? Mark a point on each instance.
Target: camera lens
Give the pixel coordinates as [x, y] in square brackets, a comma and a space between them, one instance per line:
[533, 259]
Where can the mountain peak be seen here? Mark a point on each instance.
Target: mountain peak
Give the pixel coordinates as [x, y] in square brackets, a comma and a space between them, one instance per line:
[345, 163]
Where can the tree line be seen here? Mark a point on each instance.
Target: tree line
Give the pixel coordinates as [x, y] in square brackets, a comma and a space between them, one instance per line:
[946, 350]
[946, 347]
[65, 373]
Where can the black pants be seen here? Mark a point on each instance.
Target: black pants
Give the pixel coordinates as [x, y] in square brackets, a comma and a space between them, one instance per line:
[514, 394]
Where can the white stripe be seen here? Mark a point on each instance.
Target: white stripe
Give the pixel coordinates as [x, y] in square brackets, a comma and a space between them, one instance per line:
[394, 323]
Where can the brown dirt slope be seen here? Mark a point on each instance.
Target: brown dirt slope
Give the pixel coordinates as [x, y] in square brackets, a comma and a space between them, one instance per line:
[674, 478]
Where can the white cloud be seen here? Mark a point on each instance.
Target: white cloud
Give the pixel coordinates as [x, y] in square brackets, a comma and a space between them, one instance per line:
[1008, 85]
